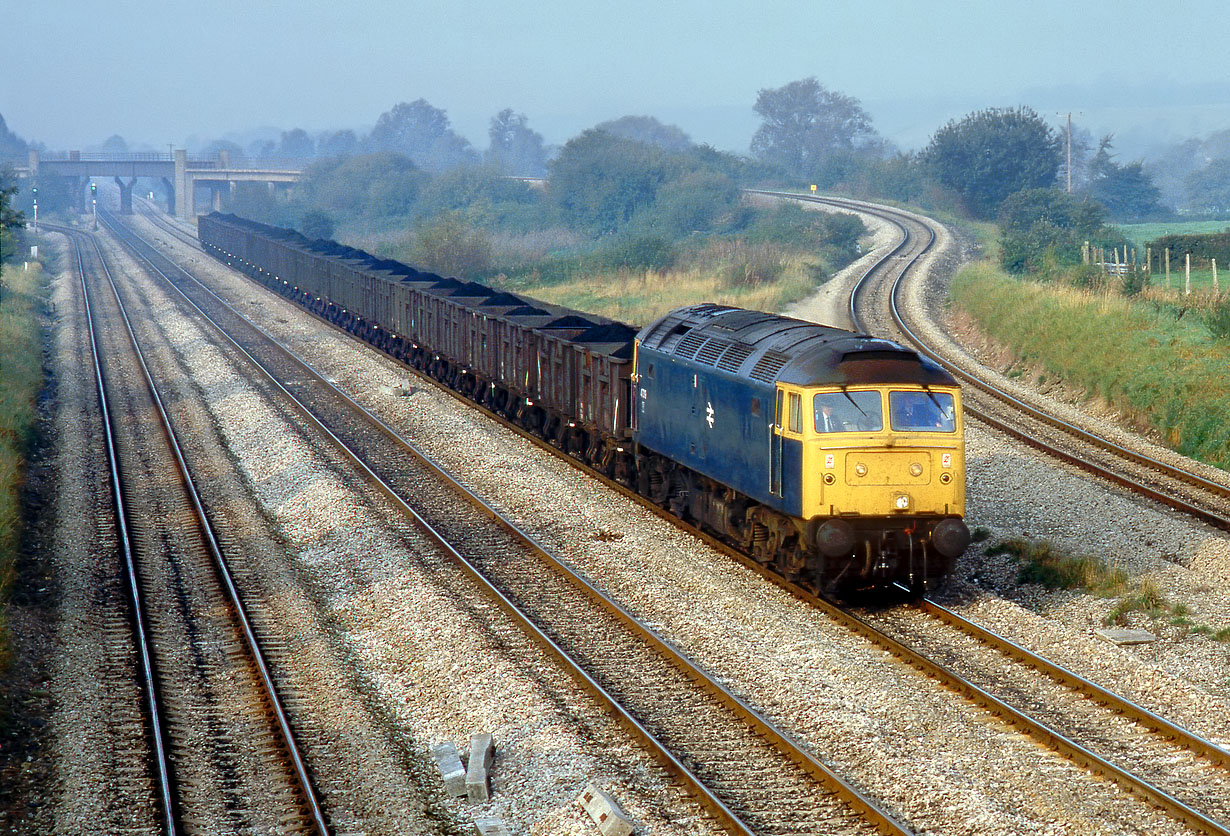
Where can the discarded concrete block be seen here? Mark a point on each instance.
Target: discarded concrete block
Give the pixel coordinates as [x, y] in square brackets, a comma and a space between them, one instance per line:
[491, 827]
[481, 751]
[1122, 636]
[450, 769]
[611, 820]
[400, 390]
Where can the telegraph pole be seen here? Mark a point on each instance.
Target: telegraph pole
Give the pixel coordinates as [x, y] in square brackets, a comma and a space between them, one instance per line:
[1069, 152]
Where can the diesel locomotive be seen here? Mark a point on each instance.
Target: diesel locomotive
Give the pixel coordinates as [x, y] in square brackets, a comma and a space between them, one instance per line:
[834, 458]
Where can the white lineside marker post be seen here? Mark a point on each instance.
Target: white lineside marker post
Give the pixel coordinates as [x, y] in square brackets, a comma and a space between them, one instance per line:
[1187, 274]
[1168, 269]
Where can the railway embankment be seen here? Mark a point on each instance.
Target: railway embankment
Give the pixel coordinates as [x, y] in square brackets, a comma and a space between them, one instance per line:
[22, 332]
[1153, 360]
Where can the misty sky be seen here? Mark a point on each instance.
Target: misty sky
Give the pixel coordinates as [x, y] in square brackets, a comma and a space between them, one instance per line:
[77, 71]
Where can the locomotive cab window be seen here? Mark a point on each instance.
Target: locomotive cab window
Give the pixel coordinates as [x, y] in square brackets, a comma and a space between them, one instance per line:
[796, 412]
[927, 412]
[840, 412]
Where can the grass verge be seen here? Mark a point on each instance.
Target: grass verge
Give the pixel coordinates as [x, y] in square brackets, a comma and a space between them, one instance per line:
[21, 377]
[1153, 361]
[1054, 568]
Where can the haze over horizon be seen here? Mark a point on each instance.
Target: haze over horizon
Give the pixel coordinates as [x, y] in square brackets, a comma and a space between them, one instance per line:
[159, 73]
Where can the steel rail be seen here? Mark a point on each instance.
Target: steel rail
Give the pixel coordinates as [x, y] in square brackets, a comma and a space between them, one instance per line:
[1039, 731]
[1201, 746]
[1214, 518]
[877, 816]
[149, 683]
[303, 776]
[1071, 749]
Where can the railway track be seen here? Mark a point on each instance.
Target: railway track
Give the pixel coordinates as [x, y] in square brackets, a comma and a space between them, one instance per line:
[1144, 753]
[223, 753]
[1177, 487]
[752, 776]
[1193, 755]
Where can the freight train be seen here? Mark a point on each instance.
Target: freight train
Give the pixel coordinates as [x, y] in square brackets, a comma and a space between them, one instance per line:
[836, 459]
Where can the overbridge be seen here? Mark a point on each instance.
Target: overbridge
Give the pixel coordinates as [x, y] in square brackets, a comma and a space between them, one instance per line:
[180, 174]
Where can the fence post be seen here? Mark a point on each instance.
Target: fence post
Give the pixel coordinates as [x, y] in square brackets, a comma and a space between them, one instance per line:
[1216, 289]
[1148, 259]
[1187, 274]
[1168, 268]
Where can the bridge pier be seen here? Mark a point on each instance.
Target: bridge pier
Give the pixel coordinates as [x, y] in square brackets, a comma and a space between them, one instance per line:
[216, 190]
[125, 195]
[170, 195]
[184, 196]
[76, 188]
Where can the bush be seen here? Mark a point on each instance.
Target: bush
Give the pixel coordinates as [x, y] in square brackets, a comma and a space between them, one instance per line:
[316, 224]
[645, 252]
[1218, 319]
[757, 264]
[451, 247]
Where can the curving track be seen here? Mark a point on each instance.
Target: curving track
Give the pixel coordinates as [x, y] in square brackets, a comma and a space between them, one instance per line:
[1197, 762]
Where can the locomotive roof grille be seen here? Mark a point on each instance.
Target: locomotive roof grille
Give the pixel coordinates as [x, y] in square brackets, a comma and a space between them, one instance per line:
[688, 346]
[768, 366]
[710, 351]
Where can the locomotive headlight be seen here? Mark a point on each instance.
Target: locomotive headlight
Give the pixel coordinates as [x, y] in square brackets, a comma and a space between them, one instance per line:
[916, 469]
[902, 502]
[860, 469]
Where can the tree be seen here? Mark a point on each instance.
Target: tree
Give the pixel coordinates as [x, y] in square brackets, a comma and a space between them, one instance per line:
[1041, 226]
[514, 148]
[212, 150]
[649, 130]
[1209, 188]
[993, 153]
[482, 193]
[804, 124]
[12, 222]
[423, 134]
[692, 202]
[296, 145]
[11, 145]
[115, 144]
[374, 185]
[316, 224]
[600, 180]
[338, 144]
[1126, 191]
[447, 245]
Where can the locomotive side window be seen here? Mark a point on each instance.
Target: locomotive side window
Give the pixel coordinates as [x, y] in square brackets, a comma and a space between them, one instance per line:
[756, 407]
[839, 412]
[928, 412]
[796, 412]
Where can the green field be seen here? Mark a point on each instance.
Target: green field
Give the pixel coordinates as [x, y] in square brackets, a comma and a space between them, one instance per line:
[1141, 234]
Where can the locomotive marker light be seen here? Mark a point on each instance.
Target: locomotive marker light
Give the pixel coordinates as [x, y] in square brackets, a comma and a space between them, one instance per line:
[903, 502]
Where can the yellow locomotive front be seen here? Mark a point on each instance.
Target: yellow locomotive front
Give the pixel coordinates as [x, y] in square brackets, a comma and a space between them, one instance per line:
[882, 478]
